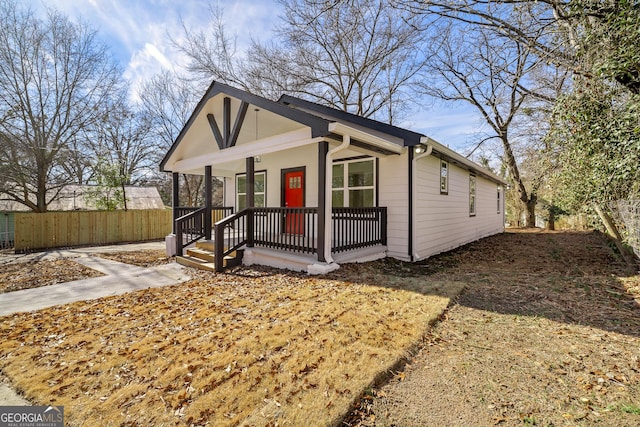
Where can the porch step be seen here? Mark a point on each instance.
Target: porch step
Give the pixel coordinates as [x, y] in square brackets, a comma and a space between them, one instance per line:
[203, 257]
[207, 245]
[201, 254]
[194, 262]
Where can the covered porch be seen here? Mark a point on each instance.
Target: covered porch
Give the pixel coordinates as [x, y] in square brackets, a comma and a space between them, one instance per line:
[292, 232]
[277, 163]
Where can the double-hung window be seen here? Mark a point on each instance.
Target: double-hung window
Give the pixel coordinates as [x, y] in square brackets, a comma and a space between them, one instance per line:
[472, 195]
[353, 183]
[444, 177]
[259, 190]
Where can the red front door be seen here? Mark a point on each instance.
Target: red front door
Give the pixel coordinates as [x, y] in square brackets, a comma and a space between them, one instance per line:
[294, 198]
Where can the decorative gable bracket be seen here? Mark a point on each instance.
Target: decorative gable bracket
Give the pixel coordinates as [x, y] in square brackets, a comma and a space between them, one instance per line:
[229, 136]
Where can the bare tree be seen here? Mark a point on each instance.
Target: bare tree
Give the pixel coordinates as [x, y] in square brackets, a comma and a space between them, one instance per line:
[54, 75]
[555, 31]
[124, 139]
[78, 160]
[168, 101]
[491, 73]
[359, 56]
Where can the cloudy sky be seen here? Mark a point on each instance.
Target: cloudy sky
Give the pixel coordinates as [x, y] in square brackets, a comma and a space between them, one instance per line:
[139, 32]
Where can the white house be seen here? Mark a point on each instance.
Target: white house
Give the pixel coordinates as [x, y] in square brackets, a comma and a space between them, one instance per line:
[309, 187]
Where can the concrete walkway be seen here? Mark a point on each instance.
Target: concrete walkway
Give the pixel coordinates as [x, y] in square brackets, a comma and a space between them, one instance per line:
[10, 257]
[120, 278]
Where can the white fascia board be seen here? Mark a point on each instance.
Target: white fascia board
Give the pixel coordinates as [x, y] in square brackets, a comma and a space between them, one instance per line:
[458, 158]
[342, 129]
[272, 144]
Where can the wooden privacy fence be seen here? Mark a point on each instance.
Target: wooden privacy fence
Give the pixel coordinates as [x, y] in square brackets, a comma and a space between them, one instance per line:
[77, 228]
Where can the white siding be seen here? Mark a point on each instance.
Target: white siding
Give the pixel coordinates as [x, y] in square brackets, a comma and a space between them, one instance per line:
[442, 221]
[273, 165]
[394, 194]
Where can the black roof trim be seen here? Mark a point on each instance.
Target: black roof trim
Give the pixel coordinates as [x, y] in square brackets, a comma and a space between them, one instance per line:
[410, 138]
[319, 126]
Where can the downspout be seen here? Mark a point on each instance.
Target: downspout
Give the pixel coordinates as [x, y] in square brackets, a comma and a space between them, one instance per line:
[424, 141]
[346, 141]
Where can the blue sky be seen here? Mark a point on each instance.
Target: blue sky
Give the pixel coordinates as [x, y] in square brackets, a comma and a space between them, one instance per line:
[138, 33]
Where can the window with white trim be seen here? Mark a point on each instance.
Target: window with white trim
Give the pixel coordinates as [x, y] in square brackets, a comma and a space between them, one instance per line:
[499, 200]
[472, 195]
[353, 183]
[444, 177]
[259, 190]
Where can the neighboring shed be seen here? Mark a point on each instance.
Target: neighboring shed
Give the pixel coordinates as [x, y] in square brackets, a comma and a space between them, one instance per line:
[73, 198]
[7, 221]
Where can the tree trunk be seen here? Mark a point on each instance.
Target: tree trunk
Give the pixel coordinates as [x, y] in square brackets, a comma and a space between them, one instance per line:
[531, 211]
[608, 222]
[124, 196]
[41, 191]
[614, 233]
[187, 188]
[552, 218]
[529, 200]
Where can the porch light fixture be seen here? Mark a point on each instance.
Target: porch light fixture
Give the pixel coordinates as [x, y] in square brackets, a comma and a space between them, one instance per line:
[257, 159]
[420, 148]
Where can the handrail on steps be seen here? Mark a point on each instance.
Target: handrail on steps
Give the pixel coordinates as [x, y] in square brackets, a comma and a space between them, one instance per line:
[232, 228]
[191, 227]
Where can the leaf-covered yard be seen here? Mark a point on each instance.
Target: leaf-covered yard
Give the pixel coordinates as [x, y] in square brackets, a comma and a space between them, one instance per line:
[545, 333]
[17, 276]
[255, 347]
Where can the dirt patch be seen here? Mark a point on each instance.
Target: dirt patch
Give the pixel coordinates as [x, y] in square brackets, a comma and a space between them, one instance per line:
[546, 332]
[140, 258]
[256, 346]
[26, 275]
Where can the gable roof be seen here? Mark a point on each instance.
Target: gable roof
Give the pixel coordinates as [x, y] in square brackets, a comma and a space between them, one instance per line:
[410, 138]
[319, 126]
[329, 122]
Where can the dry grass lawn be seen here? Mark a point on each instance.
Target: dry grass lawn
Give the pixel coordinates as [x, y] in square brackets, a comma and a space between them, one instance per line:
[545, 333]
[254, 347]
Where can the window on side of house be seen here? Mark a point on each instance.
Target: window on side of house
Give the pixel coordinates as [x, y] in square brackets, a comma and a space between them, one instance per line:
[472, 195]
[499, 201]
[353, 183]
[444, 177]
[259, 190]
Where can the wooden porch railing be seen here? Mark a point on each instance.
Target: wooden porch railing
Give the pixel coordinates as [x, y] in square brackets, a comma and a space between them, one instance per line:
[217, 213]
[189, 225]
[355, 228]
[290, 229]
[189, 229]
[293, 229]
[230, 234]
